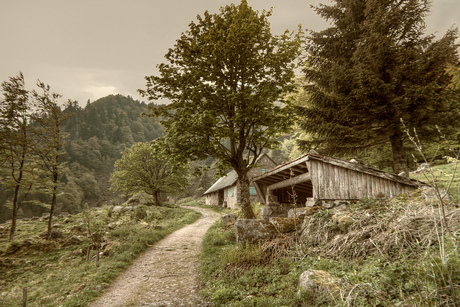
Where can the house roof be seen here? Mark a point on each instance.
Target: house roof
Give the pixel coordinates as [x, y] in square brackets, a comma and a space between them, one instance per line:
[223, 182]
[229, 180]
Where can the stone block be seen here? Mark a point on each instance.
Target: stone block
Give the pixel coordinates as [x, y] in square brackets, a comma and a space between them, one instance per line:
[275, 209]
[286, 224]
[228, 219]
[254, 230]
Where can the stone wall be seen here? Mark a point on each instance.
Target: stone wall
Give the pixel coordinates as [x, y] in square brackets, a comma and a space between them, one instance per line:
[212, 199]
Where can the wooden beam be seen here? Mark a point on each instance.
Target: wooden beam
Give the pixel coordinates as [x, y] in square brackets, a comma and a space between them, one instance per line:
[283, 167]
[290, 182]
[260, 193]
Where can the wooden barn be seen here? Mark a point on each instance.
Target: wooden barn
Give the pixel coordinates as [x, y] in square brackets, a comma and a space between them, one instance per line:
[313, 177]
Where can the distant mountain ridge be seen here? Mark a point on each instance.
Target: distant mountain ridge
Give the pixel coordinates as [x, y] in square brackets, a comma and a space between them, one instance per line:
[115, 118]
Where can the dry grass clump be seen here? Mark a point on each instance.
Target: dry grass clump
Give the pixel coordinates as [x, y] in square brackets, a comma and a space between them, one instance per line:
[380, 227]
[243, 258]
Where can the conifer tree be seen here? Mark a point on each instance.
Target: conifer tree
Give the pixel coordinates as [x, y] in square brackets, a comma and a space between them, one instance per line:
[373, 67]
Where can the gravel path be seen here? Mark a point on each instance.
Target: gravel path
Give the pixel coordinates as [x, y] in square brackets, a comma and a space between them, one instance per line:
[166, 274]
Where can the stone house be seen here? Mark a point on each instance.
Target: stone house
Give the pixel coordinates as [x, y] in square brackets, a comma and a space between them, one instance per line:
[224, 192]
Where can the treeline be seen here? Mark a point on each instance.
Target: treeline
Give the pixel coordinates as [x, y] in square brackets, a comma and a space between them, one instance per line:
[95, 137]
[98, 134]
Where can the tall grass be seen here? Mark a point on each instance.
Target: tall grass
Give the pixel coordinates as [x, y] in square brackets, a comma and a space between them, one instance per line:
[58, 273]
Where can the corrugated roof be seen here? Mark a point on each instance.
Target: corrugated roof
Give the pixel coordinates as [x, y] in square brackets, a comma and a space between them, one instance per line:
[223, 182]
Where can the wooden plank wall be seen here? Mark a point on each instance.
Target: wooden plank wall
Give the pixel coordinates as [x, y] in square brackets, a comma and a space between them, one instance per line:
[334, 182]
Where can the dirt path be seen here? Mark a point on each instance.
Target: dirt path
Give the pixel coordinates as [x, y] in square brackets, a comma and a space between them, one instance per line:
[166, 274]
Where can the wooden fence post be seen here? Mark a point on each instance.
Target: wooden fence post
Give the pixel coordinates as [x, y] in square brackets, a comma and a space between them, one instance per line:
[24, 297]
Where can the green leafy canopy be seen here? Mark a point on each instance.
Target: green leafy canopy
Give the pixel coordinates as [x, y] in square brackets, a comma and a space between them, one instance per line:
[225, 78]
[145, 167]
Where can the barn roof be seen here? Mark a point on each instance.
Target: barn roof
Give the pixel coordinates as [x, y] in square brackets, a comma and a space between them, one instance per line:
[298, 166]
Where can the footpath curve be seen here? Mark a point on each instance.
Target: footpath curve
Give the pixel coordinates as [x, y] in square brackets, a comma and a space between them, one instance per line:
[166, 274]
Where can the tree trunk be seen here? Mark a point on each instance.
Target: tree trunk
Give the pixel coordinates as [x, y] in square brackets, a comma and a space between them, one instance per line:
[53, 205]
[243, 192]
[156, 200]
[15, 212]
[399, 156]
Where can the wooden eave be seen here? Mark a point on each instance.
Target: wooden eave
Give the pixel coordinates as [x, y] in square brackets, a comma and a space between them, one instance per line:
[285, 171]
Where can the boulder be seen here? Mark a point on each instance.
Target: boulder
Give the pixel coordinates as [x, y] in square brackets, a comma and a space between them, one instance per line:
[286, 224]
[342, 220]
[319, 283]
[303, 212]
[421, 168]
[55, 234]
[254, 230]
[74, 240]
[229, 219]
[430, 194]
[117, 209]
[112, 225]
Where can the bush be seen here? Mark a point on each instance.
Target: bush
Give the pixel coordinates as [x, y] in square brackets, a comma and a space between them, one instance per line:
[140, 212]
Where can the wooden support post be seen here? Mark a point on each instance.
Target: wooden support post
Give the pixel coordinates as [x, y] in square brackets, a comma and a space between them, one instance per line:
[260, 193]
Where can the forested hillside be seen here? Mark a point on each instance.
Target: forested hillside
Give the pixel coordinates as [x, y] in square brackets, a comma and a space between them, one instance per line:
[97, 135]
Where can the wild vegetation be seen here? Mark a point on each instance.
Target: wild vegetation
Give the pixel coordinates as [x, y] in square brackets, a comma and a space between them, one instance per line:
[395, 252]
[66, 270]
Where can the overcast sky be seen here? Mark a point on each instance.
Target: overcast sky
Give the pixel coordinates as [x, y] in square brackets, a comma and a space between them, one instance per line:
[88, 49]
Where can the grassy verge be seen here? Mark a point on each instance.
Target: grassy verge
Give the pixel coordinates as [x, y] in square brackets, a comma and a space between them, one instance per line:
[62, 272]
[390, 256]
[247, 276]
[444, 175]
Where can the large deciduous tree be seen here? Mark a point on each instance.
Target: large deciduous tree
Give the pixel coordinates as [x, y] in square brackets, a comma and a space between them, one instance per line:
[147, 168]
[373, 67]
[225, 77]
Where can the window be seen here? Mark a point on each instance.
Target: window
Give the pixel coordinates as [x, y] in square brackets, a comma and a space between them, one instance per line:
[232, 191]
[225, 192]
[264, 170]
[252, 191]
